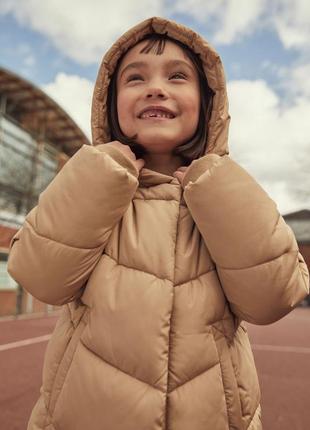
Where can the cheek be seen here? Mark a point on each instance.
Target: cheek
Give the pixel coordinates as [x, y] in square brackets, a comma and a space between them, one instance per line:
[192, 101]
[194, 109]
[120, 104]
[197, 107]
[125, 104]
[122, 110]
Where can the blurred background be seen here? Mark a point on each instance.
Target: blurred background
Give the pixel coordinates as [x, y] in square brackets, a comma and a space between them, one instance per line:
[50, 53]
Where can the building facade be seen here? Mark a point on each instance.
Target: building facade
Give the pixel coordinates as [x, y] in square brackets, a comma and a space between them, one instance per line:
[37, 137]
[300, 224]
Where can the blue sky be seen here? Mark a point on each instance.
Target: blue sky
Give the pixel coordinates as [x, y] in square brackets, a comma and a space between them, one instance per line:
[34, 56]
[264, 47]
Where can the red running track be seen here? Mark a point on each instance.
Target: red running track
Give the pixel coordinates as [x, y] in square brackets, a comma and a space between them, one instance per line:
[281, 351]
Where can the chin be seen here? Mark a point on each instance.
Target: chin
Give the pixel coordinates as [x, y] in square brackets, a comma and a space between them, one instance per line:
[157, 140]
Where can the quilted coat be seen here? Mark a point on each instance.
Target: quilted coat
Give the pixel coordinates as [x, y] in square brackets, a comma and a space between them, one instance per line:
[156, 278]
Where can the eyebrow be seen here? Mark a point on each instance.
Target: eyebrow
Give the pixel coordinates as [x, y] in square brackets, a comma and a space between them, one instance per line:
[143, 65]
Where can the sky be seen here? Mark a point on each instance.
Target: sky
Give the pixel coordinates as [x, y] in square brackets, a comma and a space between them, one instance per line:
[264, 46]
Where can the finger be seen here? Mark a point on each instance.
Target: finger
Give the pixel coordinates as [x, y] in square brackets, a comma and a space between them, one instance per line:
[178, 175]
[140, 163]
[179, 172]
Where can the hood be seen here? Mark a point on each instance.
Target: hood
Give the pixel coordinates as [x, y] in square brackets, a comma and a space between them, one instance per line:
[219, 122]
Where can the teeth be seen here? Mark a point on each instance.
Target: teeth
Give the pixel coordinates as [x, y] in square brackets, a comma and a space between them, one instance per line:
[156, 114]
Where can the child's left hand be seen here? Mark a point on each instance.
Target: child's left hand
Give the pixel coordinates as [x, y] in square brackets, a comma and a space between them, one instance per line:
[180, 172]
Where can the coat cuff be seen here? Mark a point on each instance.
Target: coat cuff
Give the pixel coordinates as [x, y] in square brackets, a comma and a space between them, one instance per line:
[119, 157]
[199, 166]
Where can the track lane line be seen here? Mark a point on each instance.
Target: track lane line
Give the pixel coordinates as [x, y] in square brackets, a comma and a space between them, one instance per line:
[25, 342]
[281, 348]
[256, 347]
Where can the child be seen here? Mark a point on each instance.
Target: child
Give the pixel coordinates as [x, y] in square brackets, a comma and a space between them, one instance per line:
[159, 246]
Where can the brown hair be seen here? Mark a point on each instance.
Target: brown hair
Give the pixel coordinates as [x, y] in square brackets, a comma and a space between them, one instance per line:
[195, 147]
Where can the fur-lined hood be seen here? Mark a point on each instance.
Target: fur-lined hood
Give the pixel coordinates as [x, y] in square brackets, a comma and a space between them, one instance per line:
[219, 122]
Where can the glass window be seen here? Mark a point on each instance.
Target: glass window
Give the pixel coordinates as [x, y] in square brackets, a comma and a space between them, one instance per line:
[26, 168]
[6, 281]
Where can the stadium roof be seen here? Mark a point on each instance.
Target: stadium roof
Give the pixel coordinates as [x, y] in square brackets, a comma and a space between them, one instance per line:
[36, 112]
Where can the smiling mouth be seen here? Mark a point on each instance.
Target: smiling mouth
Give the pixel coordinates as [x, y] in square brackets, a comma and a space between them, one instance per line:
[156, 118]
[156, 114]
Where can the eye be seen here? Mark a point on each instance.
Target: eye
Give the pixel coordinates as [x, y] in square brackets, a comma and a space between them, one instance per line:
[133, 78]
[178, 75]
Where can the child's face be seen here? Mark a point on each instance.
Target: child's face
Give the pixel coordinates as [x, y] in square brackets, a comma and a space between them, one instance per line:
[156, 81]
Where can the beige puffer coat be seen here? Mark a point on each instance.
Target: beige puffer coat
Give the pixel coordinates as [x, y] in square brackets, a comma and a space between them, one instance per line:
[155, 280]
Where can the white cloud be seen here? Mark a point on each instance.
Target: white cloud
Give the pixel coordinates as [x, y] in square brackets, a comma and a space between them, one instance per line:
[81, 30]
[291, 19]
[74, 95]
[287, 201]
[230, 19]
[298, 80]
[234, 24]
[272, 141]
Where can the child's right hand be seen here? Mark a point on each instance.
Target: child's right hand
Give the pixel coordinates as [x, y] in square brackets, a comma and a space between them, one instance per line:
[125, 149]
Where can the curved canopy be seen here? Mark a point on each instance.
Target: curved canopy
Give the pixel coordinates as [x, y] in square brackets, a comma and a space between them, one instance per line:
[35, 111]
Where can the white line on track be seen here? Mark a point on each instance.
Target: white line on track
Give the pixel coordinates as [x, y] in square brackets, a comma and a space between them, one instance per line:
[279, 348]
[273, 348]
[24, 342]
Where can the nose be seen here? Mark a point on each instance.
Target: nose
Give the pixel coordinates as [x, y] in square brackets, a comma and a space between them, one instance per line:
[157, 92]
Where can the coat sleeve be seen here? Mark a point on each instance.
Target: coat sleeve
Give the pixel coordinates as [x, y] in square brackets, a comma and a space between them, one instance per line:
[261, 270]
[63, 237]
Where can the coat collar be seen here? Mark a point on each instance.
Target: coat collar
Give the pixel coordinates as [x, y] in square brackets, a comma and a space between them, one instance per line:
[148, 177]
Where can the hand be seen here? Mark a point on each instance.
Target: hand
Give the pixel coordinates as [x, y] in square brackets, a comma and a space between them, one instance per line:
[125, 149]
[180, 172]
